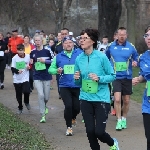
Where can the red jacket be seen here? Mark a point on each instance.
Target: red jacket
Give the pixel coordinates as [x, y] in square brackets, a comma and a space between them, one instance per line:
[13, 42]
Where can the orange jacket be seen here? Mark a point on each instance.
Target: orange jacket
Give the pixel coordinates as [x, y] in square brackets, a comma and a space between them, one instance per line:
[13, 42]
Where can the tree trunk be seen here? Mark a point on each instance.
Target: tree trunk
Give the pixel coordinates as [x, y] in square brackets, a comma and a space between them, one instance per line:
[131, 6]
[109, 12]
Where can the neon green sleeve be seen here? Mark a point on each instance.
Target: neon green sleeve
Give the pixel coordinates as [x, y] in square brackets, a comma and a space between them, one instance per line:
[53, 68]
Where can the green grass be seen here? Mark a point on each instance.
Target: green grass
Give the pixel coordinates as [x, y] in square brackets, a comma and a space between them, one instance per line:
[18, 135]
[138, 89]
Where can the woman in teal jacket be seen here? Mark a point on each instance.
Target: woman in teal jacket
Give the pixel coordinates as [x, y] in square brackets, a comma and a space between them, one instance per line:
[93, 72]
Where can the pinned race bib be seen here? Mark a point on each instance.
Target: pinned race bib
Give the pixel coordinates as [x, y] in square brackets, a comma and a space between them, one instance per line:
[20, 65]
[40, 66]
[68, 69]
[1, 53]
[90, 86]
[121, 66]
[148, 88]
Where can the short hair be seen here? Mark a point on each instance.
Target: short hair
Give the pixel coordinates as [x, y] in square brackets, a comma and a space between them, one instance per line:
[65, 29]
[105, 36]
[147, 29]
[20, 47]
[27, 36]
[38, 36]
[121, 28]
[93, 34]
[82, 32]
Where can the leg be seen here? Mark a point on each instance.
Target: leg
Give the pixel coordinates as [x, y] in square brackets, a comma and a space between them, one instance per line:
[67, 99]
[101, 116]
[89, 119]
[39, 87]
[76, 102]
[125, 108]
[31, 78]
[2, 69]
[146, 122]
[46, 89]
[57, 78]
[18, 89]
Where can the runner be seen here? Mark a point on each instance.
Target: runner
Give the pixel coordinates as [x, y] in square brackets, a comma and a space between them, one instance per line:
[144, 64]
[20, 69]
[63, 64]
[123, 56]
[41, 59]
[93, 72]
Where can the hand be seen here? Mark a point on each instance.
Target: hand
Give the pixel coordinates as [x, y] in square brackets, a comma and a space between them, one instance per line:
[6, 51]
[77, 75]
[42, 60]
[134, 64]
[135, 81]
[59, 70]
[94, 77]
[28, 67]
[31, 61]
[20, 71]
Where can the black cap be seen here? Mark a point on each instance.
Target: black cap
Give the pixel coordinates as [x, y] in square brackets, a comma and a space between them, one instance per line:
[15, 30]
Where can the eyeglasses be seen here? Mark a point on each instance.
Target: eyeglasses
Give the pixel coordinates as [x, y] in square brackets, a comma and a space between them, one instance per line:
[146, 35]
[84, 38]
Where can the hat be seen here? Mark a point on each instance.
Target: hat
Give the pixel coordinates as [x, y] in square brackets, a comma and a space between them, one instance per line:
[70, 33]
[37, 31]
[15, 30]
[67, 38]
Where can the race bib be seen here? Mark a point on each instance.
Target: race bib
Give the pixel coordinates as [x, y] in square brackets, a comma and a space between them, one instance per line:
[20, 65]
[40, 66]
[89, 86]
[68, 69]
[1, 53]
[121, 66]
[148, 88]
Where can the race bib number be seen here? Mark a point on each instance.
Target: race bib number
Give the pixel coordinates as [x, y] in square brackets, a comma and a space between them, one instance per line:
[90, 86]
[40, 66]
[148, 88]
[68, 69]
[20, 65]
[121, 66]
[1, 53]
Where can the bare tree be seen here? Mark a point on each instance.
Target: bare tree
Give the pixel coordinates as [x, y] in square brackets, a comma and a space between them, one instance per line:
[109, 12]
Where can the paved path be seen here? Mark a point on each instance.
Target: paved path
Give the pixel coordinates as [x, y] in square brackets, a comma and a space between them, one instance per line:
[54, 129]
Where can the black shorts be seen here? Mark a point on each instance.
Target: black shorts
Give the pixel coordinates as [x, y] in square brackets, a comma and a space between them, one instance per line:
[123, 85]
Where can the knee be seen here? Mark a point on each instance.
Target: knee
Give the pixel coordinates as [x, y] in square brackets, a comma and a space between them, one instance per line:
[41, 96]
[126, 101]
[117, 100]
[90, 132]
[68, 108]
[99, 133]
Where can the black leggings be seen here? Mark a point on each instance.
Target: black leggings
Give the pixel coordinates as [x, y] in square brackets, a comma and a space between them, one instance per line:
[146, 121]
[2, 69]
[70, 97]
[95, 115]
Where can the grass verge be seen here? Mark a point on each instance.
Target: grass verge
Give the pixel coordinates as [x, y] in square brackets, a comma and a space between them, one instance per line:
[18, 135]
[138, 89]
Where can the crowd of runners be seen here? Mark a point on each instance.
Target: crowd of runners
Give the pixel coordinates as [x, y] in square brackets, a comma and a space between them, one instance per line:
[91, 76]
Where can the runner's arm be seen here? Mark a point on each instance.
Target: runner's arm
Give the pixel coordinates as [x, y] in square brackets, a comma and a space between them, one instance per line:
[53, 68]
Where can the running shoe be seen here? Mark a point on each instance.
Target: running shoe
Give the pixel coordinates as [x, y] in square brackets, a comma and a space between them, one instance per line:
[69, 132]
[115, 146]
[119, 125]
[19, 111]
[74, 122]
[82, 120]
[43, 119]
[2, 86]
[124, 124]
[28, 106]
[46, 110]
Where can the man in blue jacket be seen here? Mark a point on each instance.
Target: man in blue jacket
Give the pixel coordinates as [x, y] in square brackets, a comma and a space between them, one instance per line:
[63, 64]
[123, 56]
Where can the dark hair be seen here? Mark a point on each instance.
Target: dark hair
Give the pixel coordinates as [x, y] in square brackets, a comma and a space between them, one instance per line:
[65, 29]
[105, 36]
[121, 28]
[147, 29]
[20, 47]
[27, 36]
[93, 34]
[82, 32]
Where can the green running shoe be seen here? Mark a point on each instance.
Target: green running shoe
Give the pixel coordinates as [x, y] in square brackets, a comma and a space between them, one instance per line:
[124, 124]
[46, 110]
[82, 120]
[115, 146]
[119, 126]
[43, 120]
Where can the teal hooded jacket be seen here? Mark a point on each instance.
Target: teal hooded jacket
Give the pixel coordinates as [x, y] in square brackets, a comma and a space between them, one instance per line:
[97, 63]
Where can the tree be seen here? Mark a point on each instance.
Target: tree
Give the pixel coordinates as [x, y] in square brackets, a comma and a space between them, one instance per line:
[109, 12]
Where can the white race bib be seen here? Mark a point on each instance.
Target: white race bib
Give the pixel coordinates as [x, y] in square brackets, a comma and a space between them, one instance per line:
[1, 53]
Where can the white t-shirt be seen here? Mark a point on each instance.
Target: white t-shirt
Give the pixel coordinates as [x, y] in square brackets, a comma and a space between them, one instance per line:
[24, 76]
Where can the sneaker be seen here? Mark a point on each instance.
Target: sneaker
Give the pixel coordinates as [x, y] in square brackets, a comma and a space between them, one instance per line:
[124, 124]
[119, 125]
[2, 86]
[59, 97]
[74, 122]
[43, 119]
[28, 106]
[113, 112]
[46, 111]
[51, 88]
[8, 67]
[19, 111]
[69, 131]
[115, 146]
[82, 120]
